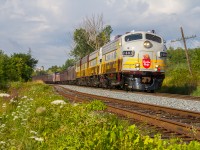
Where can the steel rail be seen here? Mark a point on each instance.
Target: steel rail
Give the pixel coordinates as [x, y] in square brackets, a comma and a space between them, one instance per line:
[181, 128]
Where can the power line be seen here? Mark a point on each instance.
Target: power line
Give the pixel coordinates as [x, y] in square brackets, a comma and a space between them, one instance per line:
[180, 39]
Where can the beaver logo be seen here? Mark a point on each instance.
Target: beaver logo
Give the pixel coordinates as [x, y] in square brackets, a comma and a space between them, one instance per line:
[146, 61]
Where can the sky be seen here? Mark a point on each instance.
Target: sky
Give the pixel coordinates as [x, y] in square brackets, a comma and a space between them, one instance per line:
[46, 26]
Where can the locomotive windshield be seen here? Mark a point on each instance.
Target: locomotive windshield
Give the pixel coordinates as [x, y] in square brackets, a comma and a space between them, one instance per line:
[133, 37]
[153, 38]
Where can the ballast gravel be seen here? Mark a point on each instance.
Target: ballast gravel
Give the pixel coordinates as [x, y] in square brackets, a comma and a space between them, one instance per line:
[162, 101]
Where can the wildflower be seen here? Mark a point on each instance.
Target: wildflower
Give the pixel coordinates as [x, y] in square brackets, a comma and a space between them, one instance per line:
[37, 138]
[2, 126]
[12, 101]
[30, 99]
[75, 104]
[4, 95]
[40, 110]
[15, 117]
[24, 97]
[33, 132]
[4, 105]
[13, 113]
[2, 142]
[57, 102]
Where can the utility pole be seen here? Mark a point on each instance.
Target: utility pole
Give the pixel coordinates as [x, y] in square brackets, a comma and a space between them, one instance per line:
[186, 50]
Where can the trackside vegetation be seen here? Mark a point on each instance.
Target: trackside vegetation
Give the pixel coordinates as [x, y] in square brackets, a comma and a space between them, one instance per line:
[178, 79]
[34, 117]
[17, 67]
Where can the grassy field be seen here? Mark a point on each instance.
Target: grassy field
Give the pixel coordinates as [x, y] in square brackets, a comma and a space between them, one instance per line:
[37, 118]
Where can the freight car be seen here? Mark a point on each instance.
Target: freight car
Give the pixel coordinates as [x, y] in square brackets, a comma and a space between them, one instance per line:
[68, 76]
[48, 78]
[133, 61]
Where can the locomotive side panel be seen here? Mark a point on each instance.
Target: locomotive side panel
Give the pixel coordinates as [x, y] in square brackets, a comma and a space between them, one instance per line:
[93, 67]
[84, 66]
[110, 57]
[78, 68]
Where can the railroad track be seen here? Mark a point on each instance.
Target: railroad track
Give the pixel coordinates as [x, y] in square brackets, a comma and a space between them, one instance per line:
[177, 96]
[168, 95]
[169, 121]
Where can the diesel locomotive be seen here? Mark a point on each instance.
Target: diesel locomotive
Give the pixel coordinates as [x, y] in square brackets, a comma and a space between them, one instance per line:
[133, 61]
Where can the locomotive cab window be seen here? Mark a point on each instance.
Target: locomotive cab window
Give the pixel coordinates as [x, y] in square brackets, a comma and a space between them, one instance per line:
[153, 38]
[133, 37]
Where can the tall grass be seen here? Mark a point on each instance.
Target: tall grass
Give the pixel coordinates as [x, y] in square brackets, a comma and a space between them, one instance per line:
[31, 121]
[178, 79]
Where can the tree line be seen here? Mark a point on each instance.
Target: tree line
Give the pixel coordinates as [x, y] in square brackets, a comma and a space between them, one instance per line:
[17, 67]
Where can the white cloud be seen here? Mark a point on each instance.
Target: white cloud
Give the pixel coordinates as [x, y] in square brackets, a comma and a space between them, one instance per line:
[110, 2]
[44, 25]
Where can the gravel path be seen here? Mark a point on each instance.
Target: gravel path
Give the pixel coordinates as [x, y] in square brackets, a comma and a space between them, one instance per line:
[163, 101]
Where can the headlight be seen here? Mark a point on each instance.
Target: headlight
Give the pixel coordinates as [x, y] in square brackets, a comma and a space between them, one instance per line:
[137, 65]
[148, 44]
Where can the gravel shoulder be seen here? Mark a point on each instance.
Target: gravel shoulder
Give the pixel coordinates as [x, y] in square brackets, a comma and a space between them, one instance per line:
[162, 101]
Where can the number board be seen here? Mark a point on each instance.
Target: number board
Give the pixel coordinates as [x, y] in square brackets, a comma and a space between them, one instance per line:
[127, 53]
[163, 54]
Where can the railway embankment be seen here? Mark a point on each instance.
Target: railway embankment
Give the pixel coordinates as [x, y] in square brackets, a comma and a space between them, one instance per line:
[36, 117]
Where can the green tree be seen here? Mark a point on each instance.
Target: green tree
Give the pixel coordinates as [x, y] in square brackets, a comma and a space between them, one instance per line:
[195, 61]
[82, 48]
[53, 69]
[104, 36]
[176, 56]
[4, 61]
[92, 35]
[21, 67]
[68, 63]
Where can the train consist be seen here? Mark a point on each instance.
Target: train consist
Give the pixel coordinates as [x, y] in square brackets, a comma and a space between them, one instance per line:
[134, 61]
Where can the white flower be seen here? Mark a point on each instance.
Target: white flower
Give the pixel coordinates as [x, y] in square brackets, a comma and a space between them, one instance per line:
[2, 142]
[4, 95]
[75, 104]
[30, 99]
[24, 97]
[40, 110]
[12, 101]
[57, 102]
[37, 138]
[3, 125]
[4, 105]
[33, 132]
[15, 117]
[13, 113]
